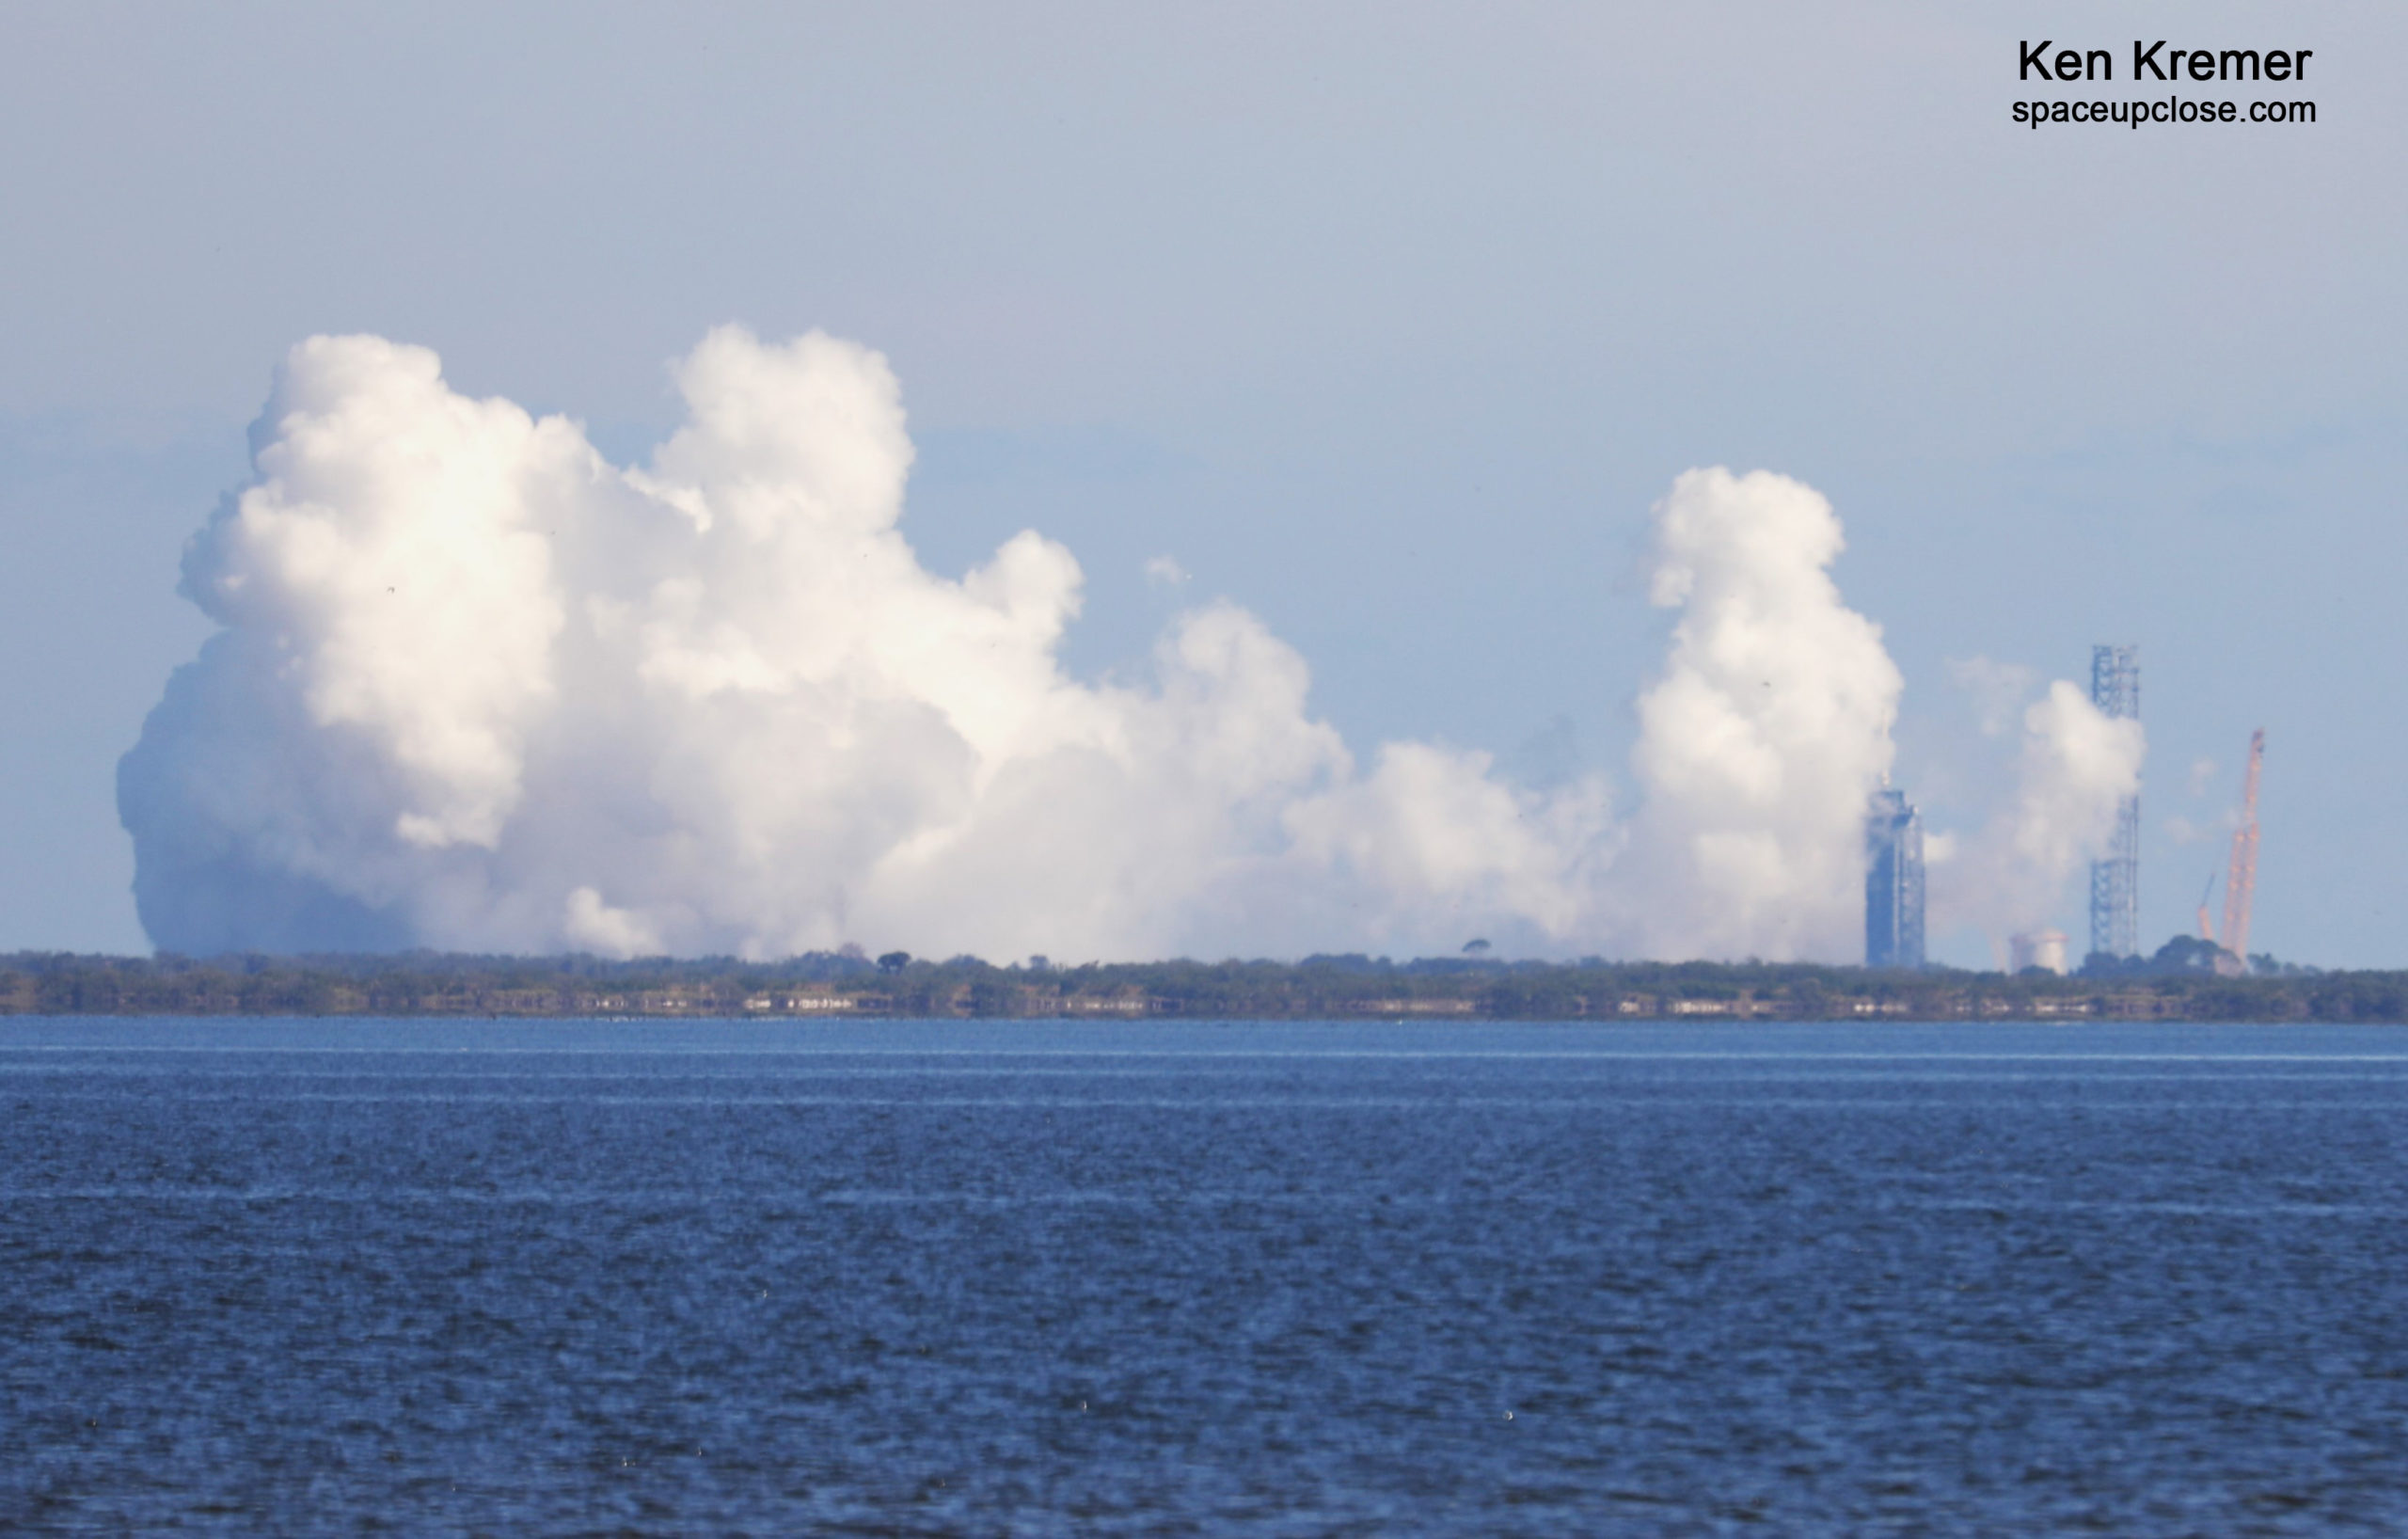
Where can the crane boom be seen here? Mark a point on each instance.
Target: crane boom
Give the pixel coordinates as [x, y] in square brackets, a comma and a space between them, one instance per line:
[2240, 877]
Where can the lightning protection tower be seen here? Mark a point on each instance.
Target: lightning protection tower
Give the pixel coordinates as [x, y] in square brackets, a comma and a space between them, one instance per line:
[2116, 881]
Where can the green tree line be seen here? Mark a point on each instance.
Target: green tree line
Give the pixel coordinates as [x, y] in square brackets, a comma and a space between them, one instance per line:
[830, 984]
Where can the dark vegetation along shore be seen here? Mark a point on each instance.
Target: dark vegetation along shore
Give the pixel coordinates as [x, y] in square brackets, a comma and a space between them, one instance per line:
[832, 985]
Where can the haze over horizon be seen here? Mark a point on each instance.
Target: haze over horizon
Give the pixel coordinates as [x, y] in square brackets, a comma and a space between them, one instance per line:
[1346, 356]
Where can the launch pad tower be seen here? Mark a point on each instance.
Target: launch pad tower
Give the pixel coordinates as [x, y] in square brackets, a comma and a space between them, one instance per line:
[2116, 880]
[1894, 890]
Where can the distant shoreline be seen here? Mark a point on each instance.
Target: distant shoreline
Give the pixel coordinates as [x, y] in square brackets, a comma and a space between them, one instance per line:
[839, 986]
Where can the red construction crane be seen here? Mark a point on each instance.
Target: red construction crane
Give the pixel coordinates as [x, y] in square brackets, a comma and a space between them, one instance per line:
[2240, 877]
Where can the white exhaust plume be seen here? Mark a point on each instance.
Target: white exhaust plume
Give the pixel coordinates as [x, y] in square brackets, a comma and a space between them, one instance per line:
[2074, 765]
[477, 689]
[1762, 742]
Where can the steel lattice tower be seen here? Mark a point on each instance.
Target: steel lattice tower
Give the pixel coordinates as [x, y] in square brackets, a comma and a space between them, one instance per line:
[2116, 881]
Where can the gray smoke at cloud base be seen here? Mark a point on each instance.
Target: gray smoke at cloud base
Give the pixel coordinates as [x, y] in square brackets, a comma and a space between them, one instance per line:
[478, 688]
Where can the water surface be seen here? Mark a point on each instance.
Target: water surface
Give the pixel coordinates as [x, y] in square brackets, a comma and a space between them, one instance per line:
[1300, 1278]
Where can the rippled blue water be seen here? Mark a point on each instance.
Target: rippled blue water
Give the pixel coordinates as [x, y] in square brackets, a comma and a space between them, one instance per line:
[260, 1278]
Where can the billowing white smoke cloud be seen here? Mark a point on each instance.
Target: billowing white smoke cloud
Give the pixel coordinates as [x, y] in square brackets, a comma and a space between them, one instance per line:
[478, 688]
[1763, 740]
[2074, 765]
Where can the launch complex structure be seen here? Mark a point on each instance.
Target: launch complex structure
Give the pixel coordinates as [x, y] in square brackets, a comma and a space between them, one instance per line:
[2116, 880]
[1894, 881]
[2240, 873]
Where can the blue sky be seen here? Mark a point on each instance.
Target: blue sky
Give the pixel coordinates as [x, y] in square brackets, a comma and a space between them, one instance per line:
[1387, 321]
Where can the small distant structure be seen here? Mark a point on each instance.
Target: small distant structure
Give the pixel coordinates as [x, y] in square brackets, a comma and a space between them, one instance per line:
[1476, 948]
[2041, 948]
[1892, 881]
[2116, 880]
